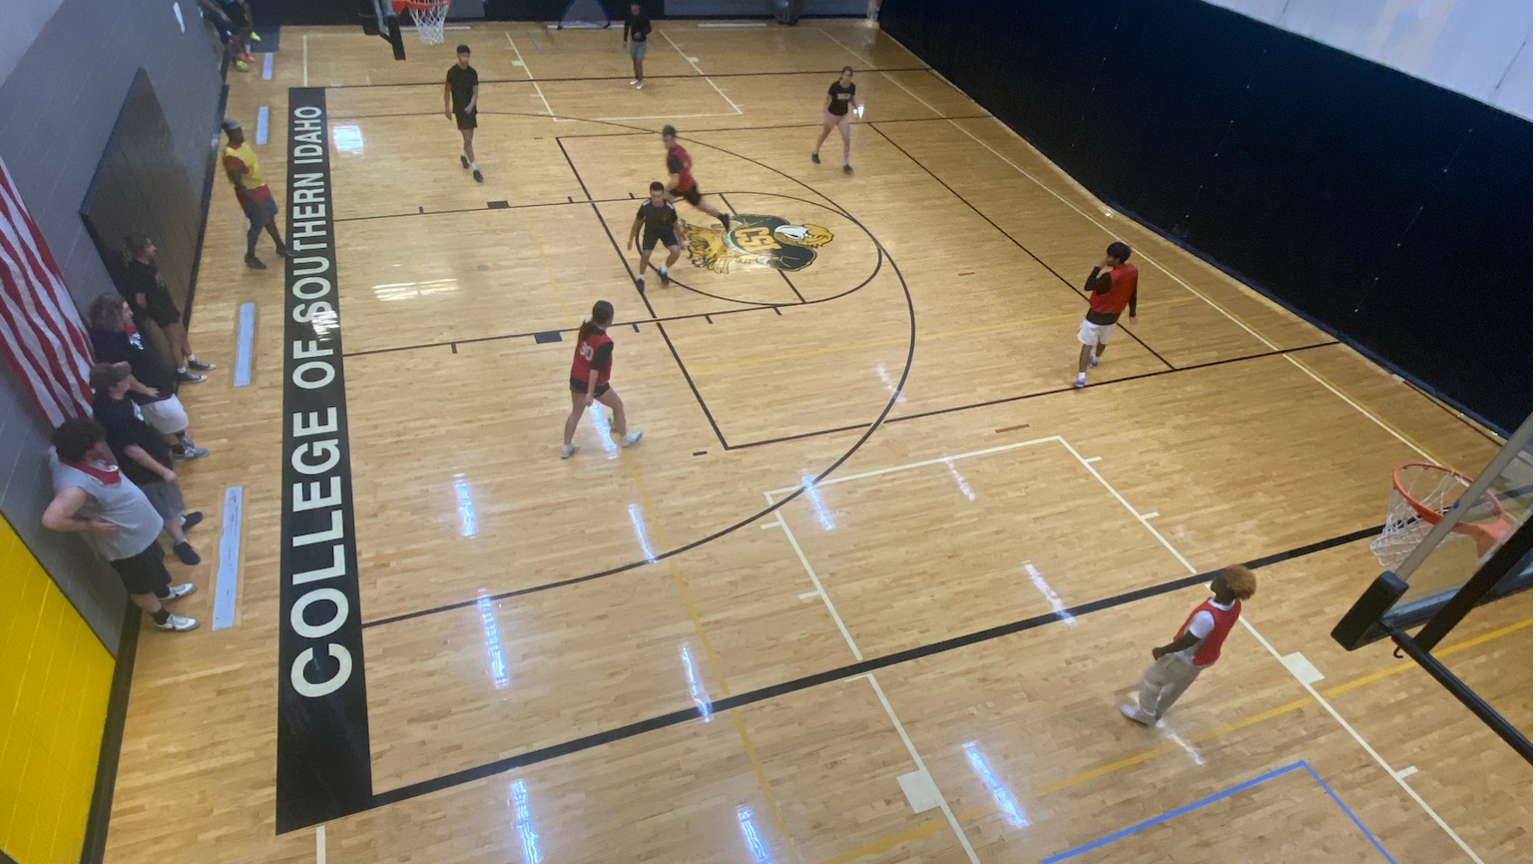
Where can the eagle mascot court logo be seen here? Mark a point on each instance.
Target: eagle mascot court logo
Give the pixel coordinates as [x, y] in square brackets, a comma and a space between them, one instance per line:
[754, 239]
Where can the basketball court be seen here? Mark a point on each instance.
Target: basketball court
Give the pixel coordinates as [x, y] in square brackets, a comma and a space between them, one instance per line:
[877, 579]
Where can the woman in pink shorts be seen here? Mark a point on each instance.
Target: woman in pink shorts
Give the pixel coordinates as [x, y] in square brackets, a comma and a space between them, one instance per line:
[839, 109]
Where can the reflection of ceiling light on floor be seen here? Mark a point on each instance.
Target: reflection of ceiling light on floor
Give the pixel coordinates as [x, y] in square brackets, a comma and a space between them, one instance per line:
[349, 140]
[410, 290]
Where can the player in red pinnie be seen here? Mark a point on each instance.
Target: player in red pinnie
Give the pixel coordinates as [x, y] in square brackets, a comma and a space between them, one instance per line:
[680, 177]
[590, 369]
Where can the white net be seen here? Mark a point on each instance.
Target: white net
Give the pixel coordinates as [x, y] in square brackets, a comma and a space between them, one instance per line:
[429, 18]
[1436, 490]
[584, 15]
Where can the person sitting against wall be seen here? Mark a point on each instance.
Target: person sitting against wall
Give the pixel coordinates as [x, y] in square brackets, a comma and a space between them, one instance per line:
[115, 339]
[93, 498]
[143, 455]
[145, 291]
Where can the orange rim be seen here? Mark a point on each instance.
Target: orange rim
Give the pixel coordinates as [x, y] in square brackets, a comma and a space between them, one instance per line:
[402, 5]
[1486, 532]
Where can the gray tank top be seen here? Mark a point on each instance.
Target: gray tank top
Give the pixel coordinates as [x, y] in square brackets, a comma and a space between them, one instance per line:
[120, 503]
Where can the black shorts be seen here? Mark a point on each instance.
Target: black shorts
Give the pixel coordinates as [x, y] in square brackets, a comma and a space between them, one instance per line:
[666, 238]
[691, 195]
[580, 386]
[466, 119]
[145, 572]
[163, 312]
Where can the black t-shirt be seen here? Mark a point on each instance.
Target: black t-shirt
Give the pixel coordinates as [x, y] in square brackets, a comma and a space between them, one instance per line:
[602, 358]
[145, 279]
[462, 83]
[657, 219]
[112, 346]
[124, 428]
[637, 27]
[842, 97]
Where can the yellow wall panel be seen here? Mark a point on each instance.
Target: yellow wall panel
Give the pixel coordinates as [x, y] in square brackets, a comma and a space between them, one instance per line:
[54, 690]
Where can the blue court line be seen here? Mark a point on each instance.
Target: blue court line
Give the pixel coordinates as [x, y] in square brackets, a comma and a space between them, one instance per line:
[266, 67]
[1348, 812]
[1061, 856]
[261, 125]
[244, 346]
[226, 582]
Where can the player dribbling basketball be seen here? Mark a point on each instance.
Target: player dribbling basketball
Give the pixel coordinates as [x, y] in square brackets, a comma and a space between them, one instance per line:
[659, 219]
[680, 177]
[590, 369]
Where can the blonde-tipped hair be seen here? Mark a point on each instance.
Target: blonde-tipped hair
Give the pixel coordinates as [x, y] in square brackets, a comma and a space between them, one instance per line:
[1240, 581]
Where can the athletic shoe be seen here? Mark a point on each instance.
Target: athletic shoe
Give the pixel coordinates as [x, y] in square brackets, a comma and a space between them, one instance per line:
[188, 520]
[665, 279]
[241, 66]
[847, 169]
[631, 439]
[1080, 381]
[1133, 714]
[1093, 360]
[283, 251]
[186, 554]
[640, 284]
[254, 263]
[463, 162]
[816, 157]
[639, 85]
[190, 377]
[726, 221]
[567, 450]
[634, 82]
[176, 592]
[182, 454]
[178, 624]
[199, 366]
[479, 178]
[255, 37]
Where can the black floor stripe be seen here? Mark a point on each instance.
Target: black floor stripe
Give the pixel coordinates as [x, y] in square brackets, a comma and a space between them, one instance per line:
[679, 717]
[690, 77]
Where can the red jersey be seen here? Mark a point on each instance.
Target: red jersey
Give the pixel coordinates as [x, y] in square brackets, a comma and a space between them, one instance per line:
[1113, 301]
[681, 164]
[1224, 619]
[593, 352]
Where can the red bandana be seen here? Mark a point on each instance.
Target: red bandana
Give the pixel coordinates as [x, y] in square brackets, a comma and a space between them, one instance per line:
[104, 470]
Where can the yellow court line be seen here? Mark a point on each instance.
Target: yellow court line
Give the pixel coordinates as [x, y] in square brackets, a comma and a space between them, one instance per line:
[889, 842]
[709, 653]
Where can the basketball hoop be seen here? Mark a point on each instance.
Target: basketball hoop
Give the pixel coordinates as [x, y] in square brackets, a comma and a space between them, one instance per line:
[1421, 494]
[429, 16]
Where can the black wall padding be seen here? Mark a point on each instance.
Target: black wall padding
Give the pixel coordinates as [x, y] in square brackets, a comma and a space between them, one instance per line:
[1387, 210]
[141, 187]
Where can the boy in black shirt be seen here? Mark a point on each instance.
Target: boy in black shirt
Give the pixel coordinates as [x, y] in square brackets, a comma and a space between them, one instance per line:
[835, 112]
[115, 340]
[659, 218]
[637, 26]
[463, 88]
[150, 299]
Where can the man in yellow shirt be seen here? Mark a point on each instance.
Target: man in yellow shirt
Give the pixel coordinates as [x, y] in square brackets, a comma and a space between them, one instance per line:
[244, 171]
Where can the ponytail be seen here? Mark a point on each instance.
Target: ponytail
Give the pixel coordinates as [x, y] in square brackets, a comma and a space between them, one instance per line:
[602, 316]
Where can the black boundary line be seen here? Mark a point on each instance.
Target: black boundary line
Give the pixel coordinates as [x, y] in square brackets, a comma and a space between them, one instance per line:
[461, 210]
[94, 850]
[387, 115]
[774, 73]
[864, 667]
[747, 305]
[785, 276]
[624, 259]
[1020, 398]
[1014, 240]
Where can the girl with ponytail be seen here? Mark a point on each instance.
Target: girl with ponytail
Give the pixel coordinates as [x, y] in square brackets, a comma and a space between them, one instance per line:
[590, 369]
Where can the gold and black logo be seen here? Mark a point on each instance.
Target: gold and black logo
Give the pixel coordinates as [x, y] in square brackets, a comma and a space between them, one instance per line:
[752, 239]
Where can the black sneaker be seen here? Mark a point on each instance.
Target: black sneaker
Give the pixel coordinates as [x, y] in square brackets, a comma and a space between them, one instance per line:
[847, 169]
[479, 178]
[640, 284]
[726, 221]
[816, 157]
[283, 251]
[254, 263]
[199, 366]
[185, 377]
[665, 279]
[182, 454]
[463, 163]
[189, 520]
[186, 554]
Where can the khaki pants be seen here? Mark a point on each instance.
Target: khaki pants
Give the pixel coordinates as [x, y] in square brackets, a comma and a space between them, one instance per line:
[1163, 683]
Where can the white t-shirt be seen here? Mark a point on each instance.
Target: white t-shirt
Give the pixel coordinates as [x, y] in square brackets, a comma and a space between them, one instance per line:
[1201, 625]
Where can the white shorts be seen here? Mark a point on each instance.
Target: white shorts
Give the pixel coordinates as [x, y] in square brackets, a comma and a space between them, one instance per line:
[1094, 334]
[166, 416]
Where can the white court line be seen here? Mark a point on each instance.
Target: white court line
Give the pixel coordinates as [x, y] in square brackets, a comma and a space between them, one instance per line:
[536, 88]
[766, 525]
[809, 594]
[1153, 515]
[306, 59]
[1276, 654]
[1408, 772]
[320, 845]
[918, 760]
[939, 461]
[815, 580]
[694, 63]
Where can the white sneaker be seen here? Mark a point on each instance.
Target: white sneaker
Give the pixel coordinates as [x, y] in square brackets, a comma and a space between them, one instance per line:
[631, 439]
[634, 82]
[178, 592]
[639, 85]
[178, 624]
[568, 449]
[1133, 714]
[1080, 381]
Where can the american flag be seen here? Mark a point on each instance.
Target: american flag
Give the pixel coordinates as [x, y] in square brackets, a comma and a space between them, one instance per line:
[41, 335]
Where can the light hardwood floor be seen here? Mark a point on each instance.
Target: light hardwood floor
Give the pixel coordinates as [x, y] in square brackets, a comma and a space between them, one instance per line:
[973, 488]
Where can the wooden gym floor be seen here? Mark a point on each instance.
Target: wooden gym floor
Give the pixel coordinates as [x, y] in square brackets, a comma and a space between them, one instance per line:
[926, 354]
